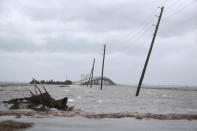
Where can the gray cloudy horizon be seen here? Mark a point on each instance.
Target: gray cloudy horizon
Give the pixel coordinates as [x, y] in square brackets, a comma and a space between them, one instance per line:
[56, 39]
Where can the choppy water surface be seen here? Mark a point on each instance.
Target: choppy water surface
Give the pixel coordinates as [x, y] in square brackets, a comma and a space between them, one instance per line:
[115, 98]
[110, 99]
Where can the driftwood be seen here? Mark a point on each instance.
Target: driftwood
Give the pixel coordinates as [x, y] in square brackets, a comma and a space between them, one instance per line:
[39, 100]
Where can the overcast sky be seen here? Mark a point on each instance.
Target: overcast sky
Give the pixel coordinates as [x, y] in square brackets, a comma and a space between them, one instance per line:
[55, 39]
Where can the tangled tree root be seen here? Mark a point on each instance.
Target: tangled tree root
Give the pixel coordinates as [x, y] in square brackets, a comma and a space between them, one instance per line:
[39, 101]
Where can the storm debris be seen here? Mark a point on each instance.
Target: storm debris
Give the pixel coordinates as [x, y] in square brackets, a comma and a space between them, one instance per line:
[39, 101]
[91, 115]
[11, 125]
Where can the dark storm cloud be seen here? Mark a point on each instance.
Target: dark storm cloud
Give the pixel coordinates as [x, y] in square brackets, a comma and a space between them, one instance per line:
[93, 18]
[40, 37]
[96, 15]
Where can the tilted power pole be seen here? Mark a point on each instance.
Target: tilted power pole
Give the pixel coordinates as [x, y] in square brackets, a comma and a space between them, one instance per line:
[103, 67]
[91, 74]
[149, 53]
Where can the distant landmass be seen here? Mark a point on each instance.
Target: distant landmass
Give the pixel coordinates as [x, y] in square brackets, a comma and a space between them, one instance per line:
[66, 82]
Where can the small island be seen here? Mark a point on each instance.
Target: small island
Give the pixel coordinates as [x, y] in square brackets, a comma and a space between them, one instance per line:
[66, 82]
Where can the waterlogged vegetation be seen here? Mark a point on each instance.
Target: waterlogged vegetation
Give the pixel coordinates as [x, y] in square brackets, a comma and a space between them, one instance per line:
[66, 82]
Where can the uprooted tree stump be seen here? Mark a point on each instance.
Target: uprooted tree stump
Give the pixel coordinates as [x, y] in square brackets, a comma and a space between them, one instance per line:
[39, 100]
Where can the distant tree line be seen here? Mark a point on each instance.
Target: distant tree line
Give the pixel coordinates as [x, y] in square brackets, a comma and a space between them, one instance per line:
[66, 82]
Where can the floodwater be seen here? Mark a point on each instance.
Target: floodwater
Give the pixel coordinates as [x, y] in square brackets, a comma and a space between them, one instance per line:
[112, 99]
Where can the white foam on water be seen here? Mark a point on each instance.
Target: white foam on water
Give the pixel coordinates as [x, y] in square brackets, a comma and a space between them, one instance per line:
[70, 100]
[98, 101]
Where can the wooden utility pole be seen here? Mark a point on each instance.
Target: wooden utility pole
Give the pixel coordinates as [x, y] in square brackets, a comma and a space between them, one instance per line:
[149, 53]
[103, 67]
[91, 74]
[81, 78]
[66, 80]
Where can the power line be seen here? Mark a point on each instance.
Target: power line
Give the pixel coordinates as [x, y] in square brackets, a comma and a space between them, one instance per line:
[144, 28]
[140, 37]
[136, 39]
[141, 28]
[172, 4]
[138, 34]
[180, 9]
[135, 35]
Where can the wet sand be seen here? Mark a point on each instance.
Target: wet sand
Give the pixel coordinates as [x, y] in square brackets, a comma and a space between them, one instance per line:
[91, 115]
[107, 124]
[11, 125]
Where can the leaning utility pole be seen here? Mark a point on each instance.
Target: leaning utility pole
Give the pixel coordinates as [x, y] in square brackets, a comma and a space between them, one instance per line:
[66, 80]
[149, 52]
[81, 78]
[103, 67]
[89, 79]
[91, 74]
